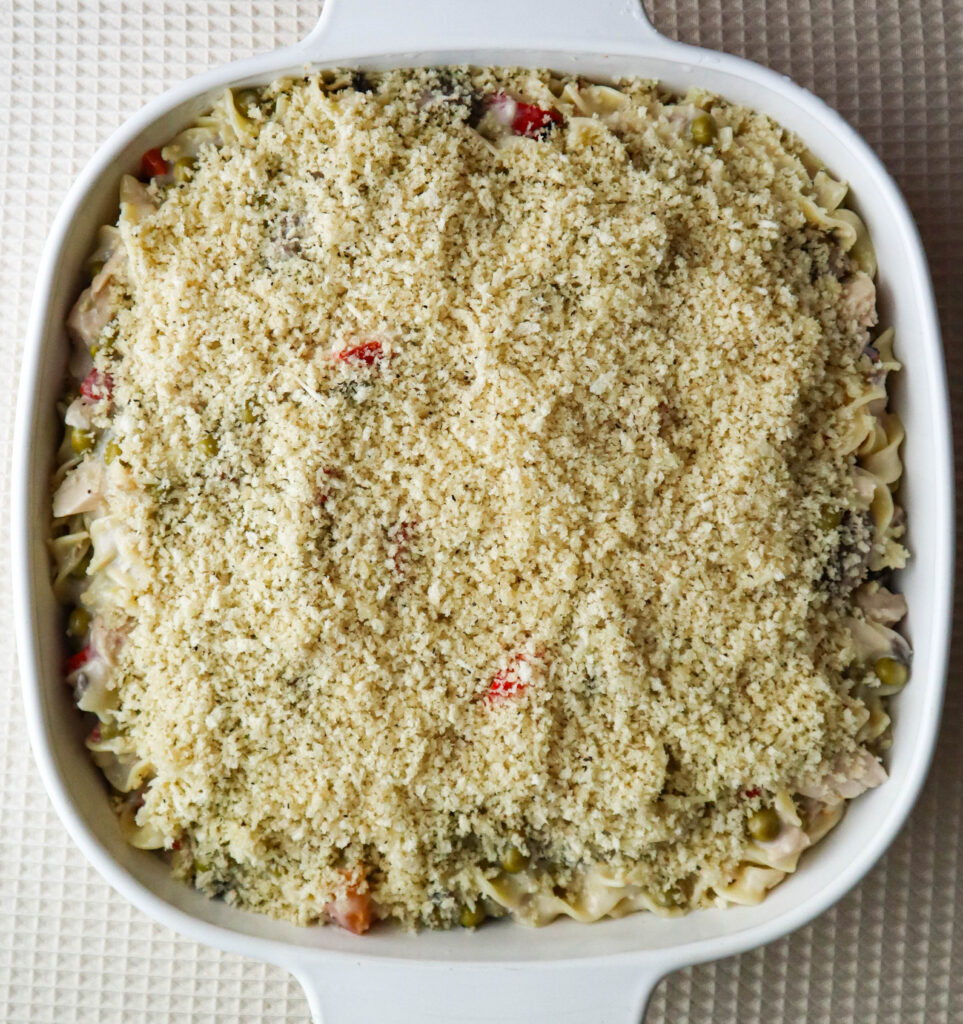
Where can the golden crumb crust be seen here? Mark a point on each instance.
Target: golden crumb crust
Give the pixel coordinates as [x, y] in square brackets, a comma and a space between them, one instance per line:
[407, 412]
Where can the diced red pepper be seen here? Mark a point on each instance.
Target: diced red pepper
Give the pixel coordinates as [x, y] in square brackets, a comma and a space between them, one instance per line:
[754, 792]
[352, 909]
[97, 386]
[507, 682]
[95, 736]
[533, 122]
[152, 164]
[369, 352]
[525, 119]
[78, 660]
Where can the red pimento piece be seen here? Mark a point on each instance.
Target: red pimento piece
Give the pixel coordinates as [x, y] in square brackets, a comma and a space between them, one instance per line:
[369, 352]
[95, 736]
[352, 910]
[754, 792]
[78, 660]
[507, 682]
[97, 386]
[533, 122]
[152, 164]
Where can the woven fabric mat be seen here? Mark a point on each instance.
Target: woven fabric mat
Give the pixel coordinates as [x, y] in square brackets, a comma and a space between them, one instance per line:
[72, 950]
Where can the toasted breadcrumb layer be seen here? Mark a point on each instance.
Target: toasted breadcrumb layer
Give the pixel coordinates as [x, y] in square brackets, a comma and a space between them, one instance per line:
[590, 456]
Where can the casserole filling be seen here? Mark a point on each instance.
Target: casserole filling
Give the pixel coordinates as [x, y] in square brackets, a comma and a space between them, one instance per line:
[477, 499]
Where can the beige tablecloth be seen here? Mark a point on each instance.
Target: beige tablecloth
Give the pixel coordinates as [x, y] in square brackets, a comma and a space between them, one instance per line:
[72, 950]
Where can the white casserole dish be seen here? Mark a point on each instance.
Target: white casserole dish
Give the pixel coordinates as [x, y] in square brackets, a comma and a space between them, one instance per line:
[566, 972]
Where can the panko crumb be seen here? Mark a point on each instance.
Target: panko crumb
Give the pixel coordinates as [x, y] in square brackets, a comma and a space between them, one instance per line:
[562, 411]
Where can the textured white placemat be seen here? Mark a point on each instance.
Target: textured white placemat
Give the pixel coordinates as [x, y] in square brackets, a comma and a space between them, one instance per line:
[73, 951]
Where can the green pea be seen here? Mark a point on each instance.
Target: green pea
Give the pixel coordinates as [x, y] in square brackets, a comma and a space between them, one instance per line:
[704, 129]
[111, 451]
[80, 569]
[830, 518]
[891, 672]
[472, 917]
[249, 413]
[208, 445]
[764, 825]
[514, 860]
[81, 440]
[78, 622]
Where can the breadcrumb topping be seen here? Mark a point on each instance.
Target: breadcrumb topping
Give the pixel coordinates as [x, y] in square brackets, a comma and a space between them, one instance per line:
[482, 486]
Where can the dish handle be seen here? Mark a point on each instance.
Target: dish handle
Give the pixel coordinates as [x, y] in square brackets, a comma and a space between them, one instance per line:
[349, 28]
[345, 991]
